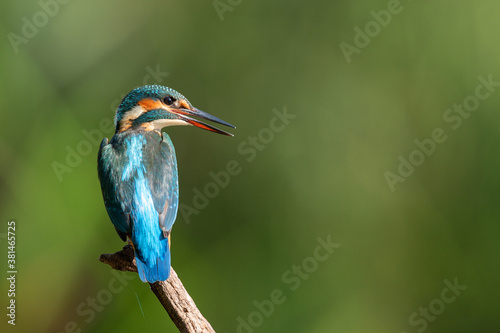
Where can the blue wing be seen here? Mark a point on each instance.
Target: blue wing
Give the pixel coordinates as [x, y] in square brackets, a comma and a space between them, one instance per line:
[117, 196]
[138, 174]
[160, 164]
[163, 181]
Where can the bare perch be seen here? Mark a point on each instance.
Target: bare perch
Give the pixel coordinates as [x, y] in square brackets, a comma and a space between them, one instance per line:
[171, 294]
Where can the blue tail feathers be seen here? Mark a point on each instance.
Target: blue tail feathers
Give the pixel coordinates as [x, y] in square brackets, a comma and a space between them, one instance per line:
[158, 271]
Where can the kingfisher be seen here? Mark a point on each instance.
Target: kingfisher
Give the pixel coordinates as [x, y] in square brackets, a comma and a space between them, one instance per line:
[137, 171]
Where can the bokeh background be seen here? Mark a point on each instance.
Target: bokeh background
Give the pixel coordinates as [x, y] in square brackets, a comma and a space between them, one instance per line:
[322, 176]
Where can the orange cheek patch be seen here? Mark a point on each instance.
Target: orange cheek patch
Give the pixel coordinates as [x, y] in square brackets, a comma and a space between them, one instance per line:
[150, 104]
[184, 104]
[124, 127]
[148, 126]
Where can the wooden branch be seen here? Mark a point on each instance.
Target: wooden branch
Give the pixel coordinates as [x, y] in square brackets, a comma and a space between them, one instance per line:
[171, 294]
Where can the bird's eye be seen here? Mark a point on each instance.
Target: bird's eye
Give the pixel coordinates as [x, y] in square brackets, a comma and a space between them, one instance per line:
[169, 100]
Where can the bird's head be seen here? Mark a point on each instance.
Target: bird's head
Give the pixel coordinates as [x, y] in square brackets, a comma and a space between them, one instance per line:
[155, 107]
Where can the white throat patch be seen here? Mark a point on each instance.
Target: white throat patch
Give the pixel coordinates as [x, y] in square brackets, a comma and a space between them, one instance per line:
[130, 116]
[160, 123]
[138, 110]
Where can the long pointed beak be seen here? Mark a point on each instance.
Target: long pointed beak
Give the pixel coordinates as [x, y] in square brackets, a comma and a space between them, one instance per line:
[183, 114]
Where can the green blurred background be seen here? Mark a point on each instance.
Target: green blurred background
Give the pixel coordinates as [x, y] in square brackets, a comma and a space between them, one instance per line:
[321, 176]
